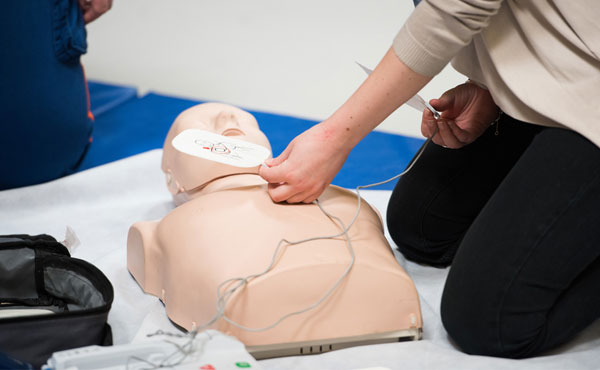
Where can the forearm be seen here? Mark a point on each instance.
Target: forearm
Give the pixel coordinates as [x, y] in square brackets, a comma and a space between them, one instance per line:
[389, 86]
[433, 34]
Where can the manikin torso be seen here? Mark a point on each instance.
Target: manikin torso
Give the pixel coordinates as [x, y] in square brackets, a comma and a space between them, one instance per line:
[227, 226]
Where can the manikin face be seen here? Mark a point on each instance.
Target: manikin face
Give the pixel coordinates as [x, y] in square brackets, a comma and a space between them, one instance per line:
[185, 172]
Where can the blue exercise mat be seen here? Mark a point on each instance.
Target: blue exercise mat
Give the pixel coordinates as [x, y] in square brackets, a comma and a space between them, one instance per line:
[136, 125]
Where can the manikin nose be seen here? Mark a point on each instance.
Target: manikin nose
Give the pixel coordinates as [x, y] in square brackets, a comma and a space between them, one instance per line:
[228, 125]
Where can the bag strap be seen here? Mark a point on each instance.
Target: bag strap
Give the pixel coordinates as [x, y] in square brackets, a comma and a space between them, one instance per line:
[43, 244]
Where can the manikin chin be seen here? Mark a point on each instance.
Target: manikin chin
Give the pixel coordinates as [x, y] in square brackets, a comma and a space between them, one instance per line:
[226, 226]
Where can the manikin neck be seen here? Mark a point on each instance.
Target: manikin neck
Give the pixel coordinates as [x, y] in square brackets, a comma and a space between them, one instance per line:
[232, 181]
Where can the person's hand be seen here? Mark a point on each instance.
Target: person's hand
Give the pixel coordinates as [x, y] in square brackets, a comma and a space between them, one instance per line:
[92, 9]
[311, 161]
[467, 111]
[306, 167]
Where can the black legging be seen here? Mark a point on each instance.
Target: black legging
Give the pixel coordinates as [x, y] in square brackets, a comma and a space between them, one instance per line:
[517, 214]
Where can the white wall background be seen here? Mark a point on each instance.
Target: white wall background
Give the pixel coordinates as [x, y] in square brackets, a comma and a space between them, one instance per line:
[289, 57]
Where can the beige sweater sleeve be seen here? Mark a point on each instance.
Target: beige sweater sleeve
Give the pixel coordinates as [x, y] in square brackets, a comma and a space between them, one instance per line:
[539, 59]
[437, 29]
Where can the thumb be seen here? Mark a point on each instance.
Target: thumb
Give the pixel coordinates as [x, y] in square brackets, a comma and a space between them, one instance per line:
[443, 103]
[272, 162]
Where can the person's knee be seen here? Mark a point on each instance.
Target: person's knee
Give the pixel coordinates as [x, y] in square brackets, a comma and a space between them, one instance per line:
[480, 326]
[409, 226]
[468, 323]
[402, 224]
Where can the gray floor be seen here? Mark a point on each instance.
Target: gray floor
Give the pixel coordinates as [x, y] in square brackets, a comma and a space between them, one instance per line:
[290, 57]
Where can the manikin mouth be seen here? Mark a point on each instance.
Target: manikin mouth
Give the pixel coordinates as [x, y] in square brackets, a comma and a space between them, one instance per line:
[232, 132]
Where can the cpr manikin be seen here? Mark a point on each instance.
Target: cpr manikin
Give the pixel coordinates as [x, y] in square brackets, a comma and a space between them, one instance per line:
[227, 226]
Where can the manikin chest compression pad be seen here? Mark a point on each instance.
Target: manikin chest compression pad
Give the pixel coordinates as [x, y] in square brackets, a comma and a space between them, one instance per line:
[69, 299]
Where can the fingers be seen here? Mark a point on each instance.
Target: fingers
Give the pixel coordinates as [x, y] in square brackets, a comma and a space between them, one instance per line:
[280, 192]
[276, 171]
[446, 135]
[289, 193]
[429, 126]
[303, 171]
[427, 123]
[460, 134]
[274, 174]
[92, 9]
[280, 189]
[91, 15]
[449, 135]
[284, 184]
[84, 4]
[304, 197]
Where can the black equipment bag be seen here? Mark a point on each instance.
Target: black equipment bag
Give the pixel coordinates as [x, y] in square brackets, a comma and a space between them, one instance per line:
[37, 272]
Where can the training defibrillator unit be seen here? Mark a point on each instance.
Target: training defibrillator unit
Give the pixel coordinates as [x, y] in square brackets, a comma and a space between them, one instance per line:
[49, 301]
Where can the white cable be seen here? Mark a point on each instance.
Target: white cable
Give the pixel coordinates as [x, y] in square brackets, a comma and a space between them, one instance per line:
[223, 298]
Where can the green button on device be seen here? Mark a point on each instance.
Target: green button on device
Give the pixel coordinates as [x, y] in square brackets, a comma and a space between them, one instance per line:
[243, 364]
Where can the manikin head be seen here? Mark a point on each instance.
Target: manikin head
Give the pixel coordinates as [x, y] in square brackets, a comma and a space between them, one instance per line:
[186, 173]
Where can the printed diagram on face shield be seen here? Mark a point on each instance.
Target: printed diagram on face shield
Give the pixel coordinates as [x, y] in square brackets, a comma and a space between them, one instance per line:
[219, 148]
[223, 148]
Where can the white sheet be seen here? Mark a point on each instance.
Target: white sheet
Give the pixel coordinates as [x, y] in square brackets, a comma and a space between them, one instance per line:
[100, 204]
